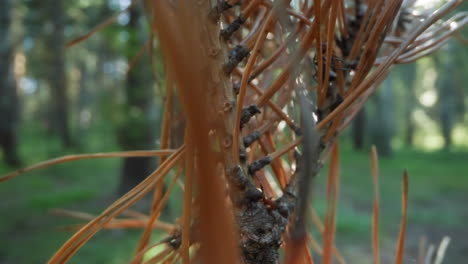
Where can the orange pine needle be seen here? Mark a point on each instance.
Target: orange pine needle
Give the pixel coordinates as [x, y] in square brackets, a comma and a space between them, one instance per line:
[270, 103]
[286, 148]
[138, 55]
[295, 252]
[378, 72]
[330, 27]
[86, 232]
[330, 217]
[277, 164]
[320, 227]
[67, 158]
[157, 211]
[99, 27]
[126, 223]
[401, 236]
[187, 213]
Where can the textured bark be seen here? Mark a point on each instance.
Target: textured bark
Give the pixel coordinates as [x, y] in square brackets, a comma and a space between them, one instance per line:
[261, 223]
[260, 226]
[8, 94]
[195, 54]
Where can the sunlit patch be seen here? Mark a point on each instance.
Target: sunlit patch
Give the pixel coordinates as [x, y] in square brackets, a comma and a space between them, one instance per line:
[429, 77]
[281, 125]
[428, 137]
[460, 135]
[315, 117]
[123, 19]
[453, 25]
[427, 4]
[28, 85]
[84, 2]
[20, 64]
[433, 142]
[153, 252]
[428, 98]
[124, 3]
[85, 118]
[121, 66]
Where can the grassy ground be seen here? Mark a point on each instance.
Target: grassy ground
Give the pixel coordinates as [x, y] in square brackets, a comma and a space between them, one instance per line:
[438, 187]
[438, 184]
[30, 233]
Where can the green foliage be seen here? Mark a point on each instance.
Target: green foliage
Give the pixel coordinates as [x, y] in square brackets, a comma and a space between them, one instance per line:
[435, 193]
[25, 203]
[437, 187]
[131, 123]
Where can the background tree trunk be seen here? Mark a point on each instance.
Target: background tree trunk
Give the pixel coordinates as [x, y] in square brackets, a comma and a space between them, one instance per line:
[358, 133]
[83, 104]
[383, 126]
[56, 74]
[408, 73]
[447, 95]
[8, 94]
[138, 128]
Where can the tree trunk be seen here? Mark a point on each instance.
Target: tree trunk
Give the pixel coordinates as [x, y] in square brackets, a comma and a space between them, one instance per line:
[447, 96]
[384, 124]
[460, 79]
[8, 95]
[359, 130]
[83, 105]
[409, 77]
[56, 74]
[138, 129]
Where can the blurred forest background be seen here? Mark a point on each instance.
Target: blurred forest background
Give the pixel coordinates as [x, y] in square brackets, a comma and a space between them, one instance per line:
[56, 101]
